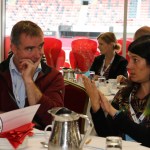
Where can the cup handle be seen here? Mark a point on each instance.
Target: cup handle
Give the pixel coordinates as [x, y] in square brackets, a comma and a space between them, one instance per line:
[45, 132]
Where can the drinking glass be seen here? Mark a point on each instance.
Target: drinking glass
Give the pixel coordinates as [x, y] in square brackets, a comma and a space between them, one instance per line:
[113, 143]
[112, 83]
[78, 78]
[91, 75]
[102, 81]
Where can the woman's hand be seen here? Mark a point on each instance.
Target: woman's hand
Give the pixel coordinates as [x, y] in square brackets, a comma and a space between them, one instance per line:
[121, 79]
[92, 91]
[96, 77]
[98, 100]
[106, 105]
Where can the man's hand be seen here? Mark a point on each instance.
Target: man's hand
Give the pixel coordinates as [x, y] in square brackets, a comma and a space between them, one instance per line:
[28, 68]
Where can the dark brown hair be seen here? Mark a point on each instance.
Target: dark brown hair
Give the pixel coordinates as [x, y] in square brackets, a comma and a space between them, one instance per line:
[141, 47]
[27, 27]
[145, 30]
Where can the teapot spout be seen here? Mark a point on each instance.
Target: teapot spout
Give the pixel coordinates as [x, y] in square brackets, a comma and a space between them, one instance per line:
[54, 110]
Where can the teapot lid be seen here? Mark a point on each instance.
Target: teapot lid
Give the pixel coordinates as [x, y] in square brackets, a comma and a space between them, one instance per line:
[63, 114]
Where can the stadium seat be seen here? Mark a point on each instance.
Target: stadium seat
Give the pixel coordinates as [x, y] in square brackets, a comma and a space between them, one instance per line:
[54, 53]
[82, 54]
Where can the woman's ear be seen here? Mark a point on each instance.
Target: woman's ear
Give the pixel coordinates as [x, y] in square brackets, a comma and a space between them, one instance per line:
[111, 45]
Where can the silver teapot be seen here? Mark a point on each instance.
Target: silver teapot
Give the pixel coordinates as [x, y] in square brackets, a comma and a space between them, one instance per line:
[65, 134]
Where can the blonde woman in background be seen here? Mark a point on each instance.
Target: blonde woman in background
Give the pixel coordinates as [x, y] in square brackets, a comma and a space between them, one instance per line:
[109, 63]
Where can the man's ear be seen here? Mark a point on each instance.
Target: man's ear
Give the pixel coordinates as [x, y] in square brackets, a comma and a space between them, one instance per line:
[13, 48]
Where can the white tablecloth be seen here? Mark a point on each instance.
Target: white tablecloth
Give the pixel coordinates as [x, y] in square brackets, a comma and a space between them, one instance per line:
[97, 143]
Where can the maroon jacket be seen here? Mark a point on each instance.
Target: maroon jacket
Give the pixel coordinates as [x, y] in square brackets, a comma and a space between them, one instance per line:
[49, 81]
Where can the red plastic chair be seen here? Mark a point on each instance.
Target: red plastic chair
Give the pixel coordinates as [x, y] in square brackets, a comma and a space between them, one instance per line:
[6, 46]
[54, 54]
[82, 54]
[128, 42]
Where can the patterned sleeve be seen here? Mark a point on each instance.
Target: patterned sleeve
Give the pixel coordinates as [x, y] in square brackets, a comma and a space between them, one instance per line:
[120, 101]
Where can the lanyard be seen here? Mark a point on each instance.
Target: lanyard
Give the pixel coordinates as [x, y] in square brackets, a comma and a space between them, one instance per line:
[102, 72]
[133, 115]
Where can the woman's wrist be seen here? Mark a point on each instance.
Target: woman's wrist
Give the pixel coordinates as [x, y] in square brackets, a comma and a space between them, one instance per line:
[112, 111]
[116, 114]
[95, 108]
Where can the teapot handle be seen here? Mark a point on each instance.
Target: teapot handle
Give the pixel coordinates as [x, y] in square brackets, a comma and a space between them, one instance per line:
[45, 131]
[88, 131]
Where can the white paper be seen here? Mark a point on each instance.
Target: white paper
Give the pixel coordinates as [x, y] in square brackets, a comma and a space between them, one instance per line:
[17, 118]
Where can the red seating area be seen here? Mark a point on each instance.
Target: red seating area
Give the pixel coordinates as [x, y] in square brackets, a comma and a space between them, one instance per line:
[128, 42]
[56, 56]
[82, 54]
[83, 51]
[6, 46]
[54, 53]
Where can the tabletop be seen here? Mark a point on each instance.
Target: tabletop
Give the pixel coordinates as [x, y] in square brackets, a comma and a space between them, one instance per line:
[96, 143]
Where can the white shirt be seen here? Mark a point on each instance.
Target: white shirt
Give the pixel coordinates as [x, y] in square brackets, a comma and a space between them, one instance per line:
[18, 83]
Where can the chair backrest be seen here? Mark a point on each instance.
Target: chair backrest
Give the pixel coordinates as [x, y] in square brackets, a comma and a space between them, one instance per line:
[82, 54]
[6, 46]
[60, 60]
[76, 99]
[128, 42]
[54, 54]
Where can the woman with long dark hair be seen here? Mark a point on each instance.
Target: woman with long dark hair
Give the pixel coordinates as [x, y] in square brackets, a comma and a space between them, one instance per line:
[128, 114]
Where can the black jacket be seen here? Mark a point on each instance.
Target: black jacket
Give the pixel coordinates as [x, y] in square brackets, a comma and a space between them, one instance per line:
[123, 123]
[118, 66]
[120, 125]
